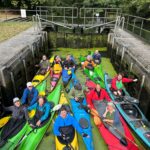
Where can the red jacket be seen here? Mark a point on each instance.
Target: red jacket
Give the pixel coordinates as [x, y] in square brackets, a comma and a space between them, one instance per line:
[124, 80]
[94, 96]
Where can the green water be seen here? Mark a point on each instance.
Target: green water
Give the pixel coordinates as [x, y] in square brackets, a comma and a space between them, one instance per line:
[48, 142]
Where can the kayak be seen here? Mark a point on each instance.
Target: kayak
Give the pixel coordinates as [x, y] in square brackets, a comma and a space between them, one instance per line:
[67, 75]
[95, 75]
[35, 137]
[58, 143]
[114, 136]
[132, 114]
[38, 78]
[55, 75]
[16, 134]
[83, 119]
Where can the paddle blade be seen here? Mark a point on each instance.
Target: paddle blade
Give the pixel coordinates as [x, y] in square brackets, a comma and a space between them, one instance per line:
[3, 121]
[57, 107]
[97, 121]
[31, 113]
[94, 112]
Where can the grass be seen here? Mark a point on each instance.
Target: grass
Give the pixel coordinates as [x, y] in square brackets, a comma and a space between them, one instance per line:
[49, 141]
[10, 29]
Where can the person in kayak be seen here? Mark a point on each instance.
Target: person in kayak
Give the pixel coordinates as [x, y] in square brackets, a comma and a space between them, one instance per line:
[112, 119]
[97, 57]
[30, 95]
[42, 113]
[44, 65]
[89, 63]
[98, 99]
[117, 84]
[69, 63]
[67, 122]
[111, 115]
[18, 118]
[77, 92]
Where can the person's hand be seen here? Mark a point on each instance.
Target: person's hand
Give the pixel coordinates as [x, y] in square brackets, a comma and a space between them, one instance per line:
[65, 68]
[76, 99]
[135, 80]
[105, 120]
[89, 106]
[104, 115]
[63, 136]
[85, 135]
[38, 123]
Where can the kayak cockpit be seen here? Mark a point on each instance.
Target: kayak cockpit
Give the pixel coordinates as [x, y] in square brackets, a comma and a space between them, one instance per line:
[131, 111]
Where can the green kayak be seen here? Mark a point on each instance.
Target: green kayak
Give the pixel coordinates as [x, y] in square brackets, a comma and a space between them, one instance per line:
[35, 137]
[96, 75]
[15, 136]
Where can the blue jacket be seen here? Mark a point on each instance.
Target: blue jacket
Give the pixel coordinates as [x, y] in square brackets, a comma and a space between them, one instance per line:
[33, 94]
[69, 120]
[97, 56]
[45, 109]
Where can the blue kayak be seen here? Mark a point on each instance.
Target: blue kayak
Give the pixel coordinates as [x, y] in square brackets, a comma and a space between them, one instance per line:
[82, 117]
[130, 111]
[67, 75]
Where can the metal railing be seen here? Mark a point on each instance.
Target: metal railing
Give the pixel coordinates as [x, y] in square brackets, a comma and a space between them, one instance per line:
[137, 25]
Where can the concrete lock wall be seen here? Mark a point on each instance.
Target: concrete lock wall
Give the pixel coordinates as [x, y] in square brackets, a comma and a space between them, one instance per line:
[124, 61]
[21, 67]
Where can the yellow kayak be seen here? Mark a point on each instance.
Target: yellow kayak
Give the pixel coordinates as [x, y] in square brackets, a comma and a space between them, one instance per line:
[39, 78]
[74, 143]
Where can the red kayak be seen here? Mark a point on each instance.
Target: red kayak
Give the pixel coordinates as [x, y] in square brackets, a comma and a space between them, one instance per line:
[55, 75]
[111, 138]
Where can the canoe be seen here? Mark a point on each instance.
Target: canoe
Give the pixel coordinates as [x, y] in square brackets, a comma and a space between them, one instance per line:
[55, 75]
[74, 143]
[83, 119]
[33, 140]
[131, 113]
[96, 75]
[110, 135]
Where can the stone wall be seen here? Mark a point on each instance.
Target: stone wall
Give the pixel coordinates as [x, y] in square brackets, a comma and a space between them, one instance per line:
[18, 58]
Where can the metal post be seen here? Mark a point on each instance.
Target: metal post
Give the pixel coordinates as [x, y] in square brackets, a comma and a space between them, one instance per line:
[64, 15]
[25, 69]
[133, 25]
[141, 86]
[127, 22]
[131, 66]
[141, 27]
[122, 56]
[123, 20]
[13, 82]
[84, 17]
[72, 16]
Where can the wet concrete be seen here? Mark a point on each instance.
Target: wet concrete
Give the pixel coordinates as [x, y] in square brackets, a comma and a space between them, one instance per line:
[18, 57]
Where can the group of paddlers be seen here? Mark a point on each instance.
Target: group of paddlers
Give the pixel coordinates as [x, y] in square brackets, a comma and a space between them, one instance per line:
[32, 101]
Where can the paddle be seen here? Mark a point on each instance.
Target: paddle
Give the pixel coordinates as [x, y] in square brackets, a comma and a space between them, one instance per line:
[95, 113]
[55, 108]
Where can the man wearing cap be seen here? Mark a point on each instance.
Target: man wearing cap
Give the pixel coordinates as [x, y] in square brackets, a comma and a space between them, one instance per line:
[30, 95]
[19, 115]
